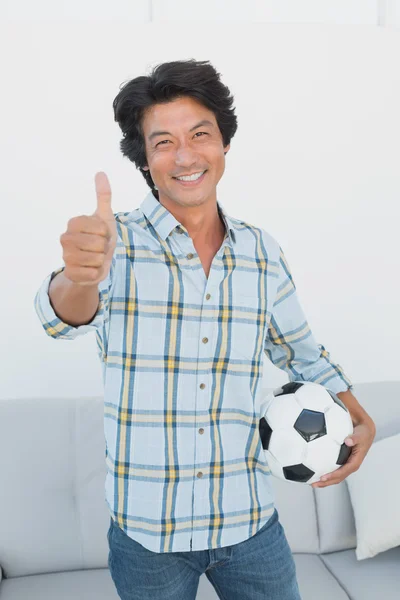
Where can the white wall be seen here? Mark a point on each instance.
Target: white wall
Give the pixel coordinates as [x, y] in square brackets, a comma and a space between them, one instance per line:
[315, 160]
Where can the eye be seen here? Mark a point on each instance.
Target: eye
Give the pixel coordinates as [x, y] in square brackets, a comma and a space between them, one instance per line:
[162, 142]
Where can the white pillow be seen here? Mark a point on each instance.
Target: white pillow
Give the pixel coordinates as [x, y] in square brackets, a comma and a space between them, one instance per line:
[375, 496]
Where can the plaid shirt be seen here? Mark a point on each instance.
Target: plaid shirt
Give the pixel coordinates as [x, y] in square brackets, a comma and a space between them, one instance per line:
[182, 358]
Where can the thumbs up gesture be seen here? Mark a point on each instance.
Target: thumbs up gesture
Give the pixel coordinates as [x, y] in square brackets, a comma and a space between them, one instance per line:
[89, 241]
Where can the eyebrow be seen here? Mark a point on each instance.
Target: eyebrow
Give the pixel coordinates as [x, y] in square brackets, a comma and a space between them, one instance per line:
[203, 122]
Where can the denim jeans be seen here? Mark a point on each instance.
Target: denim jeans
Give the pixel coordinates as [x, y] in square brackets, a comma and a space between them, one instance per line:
[261, 567]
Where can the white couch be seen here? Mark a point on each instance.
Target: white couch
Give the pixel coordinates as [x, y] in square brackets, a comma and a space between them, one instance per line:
[54, 519]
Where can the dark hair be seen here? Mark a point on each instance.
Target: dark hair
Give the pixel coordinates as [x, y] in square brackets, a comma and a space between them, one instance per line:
[167, 82]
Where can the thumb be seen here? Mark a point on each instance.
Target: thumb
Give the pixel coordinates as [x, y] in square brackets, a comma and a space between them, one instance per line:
[103, 193]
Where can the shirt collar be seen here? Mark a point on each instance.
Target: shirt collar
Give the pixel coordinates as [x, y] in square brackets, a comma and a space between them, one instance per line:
[164, 222]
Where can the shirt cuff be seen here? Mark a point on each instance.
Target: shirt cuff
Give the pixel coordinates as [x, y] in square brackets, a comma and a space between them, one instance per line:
[52, 324]
[339, 385]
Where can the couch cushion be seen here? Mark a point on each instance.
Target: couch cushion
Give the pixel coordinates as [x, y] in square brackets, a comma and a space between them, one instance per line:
[375, 497]
[315, 580]
[53, 514]
[297, 514]
[381, 400]
[91, 584]
[371, 579]
[336, 522]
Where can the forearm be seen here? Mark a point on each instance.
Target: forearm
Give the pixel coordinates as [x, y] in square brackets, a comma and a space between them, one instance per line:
[74, 304]
[357, 412]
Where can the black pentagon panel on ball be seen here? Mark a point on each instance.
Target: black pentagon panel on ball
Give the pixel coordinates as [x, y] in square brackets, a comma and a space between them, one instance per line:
[265, 433]
[288, 388]
[344, 454]
[299, 473]
[337, 400]
[310, 424]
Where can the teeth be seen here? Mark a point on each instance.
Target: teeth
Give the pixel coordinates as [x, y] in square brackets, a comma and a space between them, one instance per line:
[191, 177]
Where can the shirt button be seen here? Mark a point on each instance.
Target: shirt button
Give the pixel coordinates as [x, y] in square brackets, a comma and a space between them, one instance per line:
[199, 474]
[205, 340]
[208, 296]
[201, 430]
[190, 255]
[202, 386]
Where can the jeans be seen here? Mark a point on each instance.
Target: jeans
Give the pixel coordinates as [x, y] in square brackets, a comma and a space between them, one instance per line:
[261, 567]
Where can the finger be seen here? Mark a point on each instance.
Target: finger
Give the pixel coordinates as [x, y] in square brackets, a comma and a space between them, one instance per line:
[92, 243]
[86, 259]
[103, 193]
[346, 469]
[339, 475]
[331, 481]
[334, 478]
[86, 225]
[342, 471]
[352, 463]
[318, 484]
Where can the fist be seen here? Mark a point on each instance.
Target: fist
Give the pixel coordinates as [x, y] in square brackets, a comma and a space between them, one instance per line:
[89, 242]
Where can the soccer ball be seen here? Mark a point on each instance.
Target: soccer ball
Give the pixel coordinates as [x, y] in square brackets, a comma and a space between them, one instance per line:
[303, 431]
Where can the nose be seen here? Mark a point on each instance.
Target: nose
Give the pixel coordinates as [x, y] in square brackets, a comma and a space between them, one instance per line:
[185, 157]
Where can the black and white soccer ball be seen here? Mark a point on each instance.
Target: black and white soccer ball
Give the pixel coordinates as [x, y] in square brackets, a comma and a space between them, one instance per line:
[302, 430]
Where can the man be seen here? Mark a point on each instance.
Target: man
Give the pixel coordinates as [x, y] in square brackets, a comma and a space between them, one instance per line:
[185, 301]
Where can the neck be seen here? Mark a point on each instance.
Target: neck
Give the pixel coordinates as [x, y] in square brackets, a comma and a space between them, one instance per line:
[204, 223]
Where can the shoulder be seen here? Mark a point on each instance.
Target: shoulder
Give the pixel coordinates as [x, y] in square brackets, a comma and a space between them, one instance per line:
[247, 231]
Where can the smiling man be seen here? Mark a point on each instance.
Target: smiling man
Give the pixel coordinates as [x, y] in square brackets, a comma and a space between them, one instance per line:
[186, 301]
[186, 159]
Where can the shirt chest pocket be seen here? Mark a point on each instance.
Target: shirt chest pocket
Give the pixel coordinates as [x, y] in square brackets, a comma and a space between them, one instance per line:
[250, 305]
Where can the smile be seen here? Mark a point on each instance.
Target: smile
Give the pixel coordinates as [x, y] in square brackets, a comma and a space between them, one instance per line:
[191, 183]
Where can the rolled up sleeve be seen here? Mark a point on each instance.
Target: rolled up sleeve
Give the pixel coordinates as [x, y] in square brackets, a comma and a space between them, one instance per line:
[54, 326]
[290, 343]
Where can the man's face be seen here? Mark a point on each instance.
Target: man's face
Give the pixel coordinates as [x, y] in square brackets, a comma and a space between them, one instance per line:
[184, 150]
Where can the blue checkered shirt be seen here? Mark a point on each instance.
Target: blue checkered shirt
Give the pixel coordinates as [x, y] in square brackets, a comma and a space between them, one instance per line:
[182, 360]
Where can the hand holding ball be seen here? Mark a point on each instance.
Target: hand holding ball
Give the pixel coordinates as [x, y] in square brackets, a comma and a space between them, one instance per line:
[302, 431]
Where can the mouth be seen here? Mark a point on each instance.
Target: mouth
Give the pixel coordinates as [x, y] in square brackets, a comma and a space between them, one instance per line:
[194, 183]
